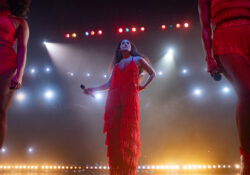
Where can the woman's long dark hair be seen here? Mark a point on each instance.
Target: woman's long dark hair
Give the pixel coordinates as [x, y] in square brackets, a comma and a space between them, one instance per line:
[133, 52]
[19, 8]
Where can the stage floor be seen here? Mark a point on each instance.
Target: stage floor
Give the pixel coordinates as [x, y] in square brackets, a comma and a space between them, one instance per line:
[94, 173]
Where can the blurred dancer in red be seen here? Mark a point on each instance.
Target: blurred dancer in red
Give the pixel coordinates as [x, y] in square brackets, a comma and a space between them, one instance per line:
[231, 50]
[121, 118]
[13, 27]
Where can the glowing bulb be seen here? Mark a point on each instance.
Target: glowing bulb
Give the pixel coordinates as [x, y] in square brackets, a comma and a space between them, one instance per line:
[186, 25]
[20, 97]
[49, 94]
[30, 150]
[98, 96]
[178, 26]
[134, 29]
[226, 90]
[3, 150]
[120, 30]
[197, 92]
[100, 32]
[33, 71]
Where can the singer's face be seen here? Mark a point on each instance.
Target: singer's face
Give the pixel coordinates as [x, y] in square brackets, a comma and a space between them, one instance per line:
[125, 45]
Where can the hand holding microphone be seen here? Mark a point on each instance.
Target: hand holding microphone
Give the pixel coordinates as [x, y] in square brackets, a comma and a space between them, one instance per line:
[213, 69]
[87, 91]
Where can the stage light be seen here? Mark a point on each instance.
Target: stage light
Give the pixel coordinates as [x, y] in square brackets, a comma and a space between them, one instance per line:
[178, 26]
[100, 32]
[184, 71]
[33, 71]
[186, 25]
[49, 94]
[30, 150]
[142, 29]
[134, 29]
[88, 74]
[3, 150]
[197, 92]
[120, 30]
[86, 33]
[92, 33]
[74, 35]
[70, 74]
[98, 96]
[67, 35]
[127, 29]
[105, 76]
[169, 57]
[237, 166]
[160, 73]
[163, 27]
[47, 69]
[20, 96]
[44, 42]
[225, 90]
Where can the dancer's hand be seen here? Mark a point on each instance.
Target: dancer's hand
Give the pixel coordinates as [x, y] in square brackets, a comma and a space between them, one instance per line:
[88, 91]
[212, 66]
[16, 82]
[141, 88]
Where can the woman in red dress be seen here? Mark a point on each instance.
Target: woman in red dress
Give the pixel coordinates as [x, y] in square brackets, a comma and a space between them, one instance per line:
[13, 27]
[121, 118]
[231, 51]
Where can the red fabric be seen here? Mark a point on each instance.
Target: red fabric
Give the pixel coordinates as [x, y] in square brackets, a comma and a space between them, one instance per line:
[121, 121]
[232, 40]
[224, 10]
[8, 58]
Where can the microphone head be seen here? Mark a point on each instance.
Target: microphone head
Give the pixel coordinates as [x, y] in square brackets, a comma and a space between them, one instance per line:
[217, 76]
[82, 86]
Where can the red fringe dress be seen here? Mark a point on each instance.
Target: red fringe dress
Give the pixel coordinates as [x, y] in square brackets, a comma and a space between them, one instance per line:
[232, 32]
[121, 121]
[8, 57]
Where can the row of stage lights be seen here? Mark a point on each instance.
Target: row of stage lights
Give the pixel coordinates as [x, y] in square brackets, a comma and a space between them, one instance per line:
[121, 30]
[140, 167]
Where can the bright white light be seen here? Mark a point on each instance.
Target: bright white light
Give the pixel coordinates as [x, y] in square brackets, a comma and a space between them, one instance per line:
[98, 96]
[226, 90]
[47, 69]
[33, 70]
[105, 76]
[169, 56]
[44, 42]
[30, 150]
[3, 150]
[198, 92]
[49, 94]
[160, 73]
[20, 97]
[88, 74]
[184, 71]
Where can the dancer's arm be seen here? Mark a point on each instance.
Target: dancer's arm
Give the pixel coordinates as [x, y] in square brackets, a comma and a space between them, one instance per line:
[205, 18]
[104, 87]
[22, 42]
[149, 69]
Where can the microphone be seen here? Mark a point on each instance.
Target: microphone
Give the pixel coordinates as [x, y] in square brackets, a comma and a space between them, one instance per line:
[216, 75]
[83, 88]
